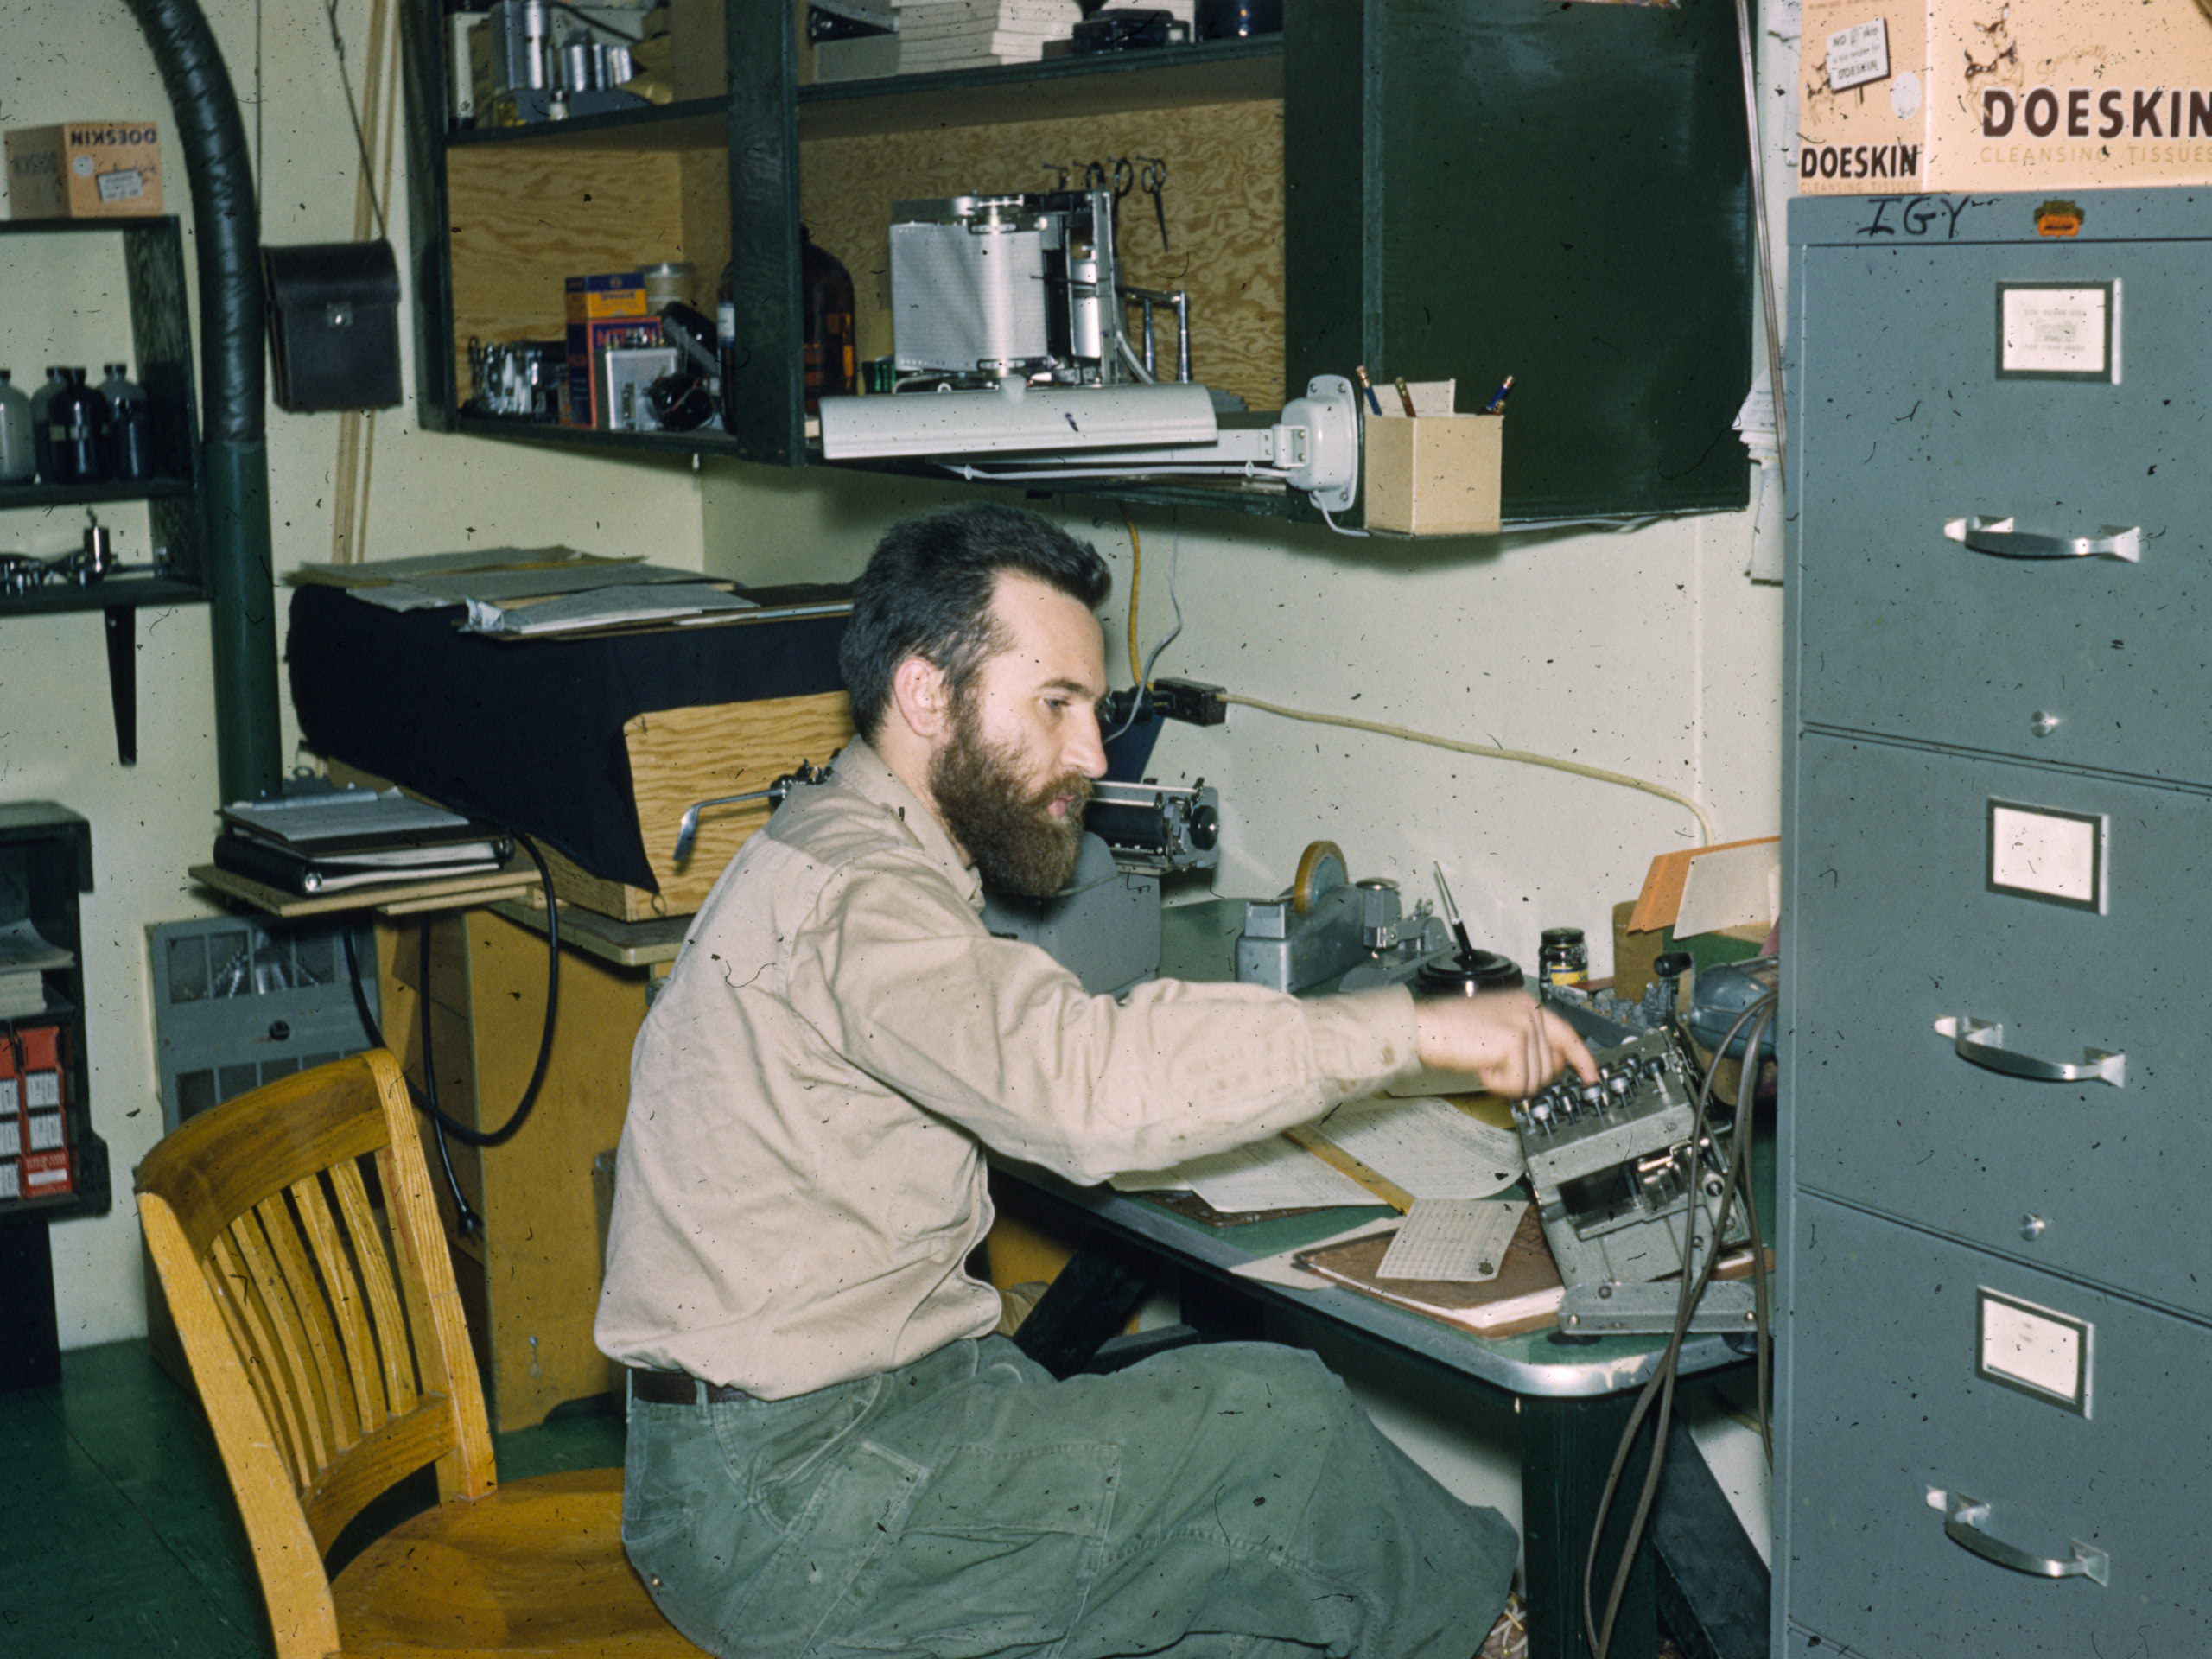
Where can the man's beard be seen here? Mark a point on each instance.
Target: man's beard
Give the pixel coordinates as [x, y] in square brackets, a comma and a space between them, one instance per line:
[1018, 844]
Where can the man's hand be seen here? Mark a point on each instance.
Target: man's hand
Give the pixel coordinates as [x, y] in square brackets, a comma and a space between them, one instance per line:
[1506, 1038]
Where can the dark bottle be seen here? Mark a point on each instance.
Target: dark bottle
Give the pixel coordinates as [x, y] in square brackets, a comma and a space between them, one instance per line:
[725, 344]
[76, 427]
[129, 428]
[41, 440]
[18, 461]
[826, 305]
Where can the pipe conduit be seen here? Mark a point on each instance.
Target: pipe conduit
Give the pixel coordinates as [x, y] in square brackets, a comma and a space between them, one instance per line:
[234, 447]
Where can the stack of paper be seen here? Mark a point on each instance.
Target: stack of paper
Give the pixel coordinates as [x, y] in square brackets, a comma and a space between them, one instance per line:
[24, 959]
[351, 837]
[935, 35]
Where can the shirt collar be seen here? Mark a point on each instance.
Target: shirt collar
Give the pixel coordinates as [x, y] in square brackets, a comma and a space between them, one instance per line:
[861, 769]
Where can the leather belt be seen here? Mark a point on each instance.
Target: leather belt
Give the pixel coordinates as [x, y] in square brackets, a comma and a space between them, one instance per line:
[679, 1388]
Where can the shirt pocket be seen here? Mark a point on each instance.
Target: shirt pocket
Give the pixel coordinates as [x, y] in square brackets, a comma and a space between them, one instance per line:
[998, 1554]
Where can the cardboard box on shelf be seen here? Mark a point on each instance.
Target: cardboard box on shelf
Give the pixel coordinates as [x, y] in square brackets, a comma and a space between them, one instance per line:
[84, 169]
[1434, 474]
[603, 310]
[1901, 97]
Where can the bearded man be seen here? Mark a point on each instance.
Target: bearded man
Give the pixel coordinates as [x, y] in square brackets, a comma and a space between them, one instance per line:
[830, 1452]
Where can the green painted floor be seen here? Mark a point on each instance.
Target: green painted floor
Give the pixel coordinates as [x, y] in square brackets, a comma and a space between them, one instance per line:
[119, 1537]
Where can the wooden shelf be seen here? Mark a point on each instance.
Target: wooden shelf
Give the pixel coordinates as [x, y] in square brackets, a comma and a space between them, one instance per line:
[1228, 495]
[699, 124]
[1111, 83]
[119, 592]
[13, 496]
[400, 898]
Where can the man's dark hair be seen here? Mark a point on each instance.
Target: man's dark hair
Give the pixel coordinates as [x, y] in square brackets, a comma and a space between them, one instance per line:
[927, 589]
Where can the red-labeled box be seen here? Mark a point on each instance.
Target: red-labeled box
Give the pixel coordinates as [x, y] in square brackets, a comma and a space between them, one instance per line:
[47, 1174]
[40, 1055]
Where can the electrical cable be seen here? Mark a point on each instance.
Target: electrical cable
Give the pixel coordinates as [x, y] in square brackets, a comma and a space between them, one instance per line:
[424, 1098]
[1174, 598]
[1525, 757]
[1133, 469]
[1341, 530]
[1661, 1386]
[1141, 691]
[353, 114]
[1136, 592]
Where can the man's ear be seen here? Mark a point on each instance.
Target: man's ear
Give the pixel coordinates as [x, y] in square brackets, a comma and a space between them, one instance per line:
[921, 698]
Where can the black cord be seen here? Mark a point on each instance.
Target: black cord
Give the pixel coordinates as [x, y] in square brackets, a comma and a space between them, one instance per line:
[424, 1099]
[1661, 1386]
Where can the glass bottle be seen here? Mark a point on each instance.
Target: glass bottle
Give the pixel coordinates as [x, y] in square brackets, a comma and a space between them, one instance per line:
[725, 343]
[76, 426]
[826, 306]
[130, 428]
[18, 458]
[42, 439]
[1563, 957]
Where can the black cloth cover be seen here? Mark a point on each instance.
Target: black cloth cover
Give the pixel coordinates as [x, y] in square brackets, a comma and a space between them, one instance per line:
[528, 733]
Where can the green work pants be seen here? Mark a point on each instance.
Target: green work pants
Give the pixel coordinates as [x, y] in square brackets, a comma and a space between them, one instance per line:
[1228, 1500]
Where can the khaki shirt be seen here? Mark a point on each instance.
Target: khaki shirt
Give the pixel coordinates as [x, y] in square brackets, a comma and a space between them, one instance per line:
[801, 1176]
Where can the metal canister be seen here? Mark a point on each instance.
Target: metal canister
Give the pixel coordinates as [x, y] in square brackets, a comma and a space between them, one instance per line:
[1563, 957]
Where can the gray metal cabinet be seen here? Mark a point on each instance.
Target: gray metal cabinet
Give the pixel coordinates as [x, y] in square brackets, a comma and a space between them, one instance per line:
[1897, 1412]
[1998, 815]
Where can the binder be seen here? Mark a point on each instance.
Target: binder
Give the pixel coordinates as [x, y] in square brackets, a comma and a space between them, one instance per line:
[295, 871]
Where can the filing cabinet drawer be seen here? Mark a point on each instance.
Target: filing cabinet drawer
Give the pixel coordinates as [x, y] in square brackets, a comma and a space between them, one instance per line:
[2075, 1417]
[1912, 426]
[1896, 925]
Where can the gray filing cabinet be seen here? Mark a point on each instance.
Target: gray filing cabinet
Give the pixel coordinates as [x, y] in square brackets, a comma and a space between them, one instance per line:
[1997, 812]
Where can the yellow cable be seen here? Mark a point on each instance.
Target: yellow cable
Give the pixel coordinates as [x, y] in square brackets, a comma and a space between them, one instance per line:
[1705, 822]
[1136, 586]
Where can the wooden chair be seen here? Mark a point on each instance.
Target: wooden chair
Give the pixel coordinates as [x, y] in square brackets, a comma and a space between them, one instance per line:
[296, 1237]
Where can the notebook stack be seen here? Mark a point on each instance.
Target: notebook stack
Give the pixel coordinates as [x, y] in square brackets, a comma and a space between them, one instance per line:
[938, 34]
[336, 839]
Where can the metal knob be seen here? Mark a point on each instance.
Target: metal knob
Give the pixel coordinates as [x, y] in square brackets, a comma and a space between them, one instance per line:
[2042, 722]
[2032, 1228]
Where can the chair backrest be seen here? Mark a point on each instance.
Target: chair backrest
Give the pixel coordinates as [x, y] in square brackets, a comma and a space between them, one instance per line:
[296, 1237]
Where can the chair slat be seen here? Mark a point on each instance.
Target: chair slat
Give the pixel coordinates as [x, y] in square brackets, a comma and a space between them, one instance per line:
[276, 1341]
[395, 1345]
[371, 1467]
[236, 1295]
[332, 1265]
[442, 1351]
[322, 1360]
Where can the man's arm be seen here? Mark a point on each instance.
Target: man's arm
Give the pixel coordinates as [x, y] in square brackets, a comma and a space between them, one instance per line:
[1506, 1038]
[996, 1036]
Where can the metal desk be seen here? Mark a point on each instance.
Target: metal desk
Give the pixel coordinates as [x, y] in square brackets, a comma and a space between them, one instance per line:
[1572, 1397]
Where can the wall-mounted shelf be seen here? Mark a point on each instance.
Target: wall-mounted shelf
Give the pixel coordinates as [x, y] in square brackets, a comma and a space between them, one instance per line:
[160, 352]
[1435, 189]
[57, 1167]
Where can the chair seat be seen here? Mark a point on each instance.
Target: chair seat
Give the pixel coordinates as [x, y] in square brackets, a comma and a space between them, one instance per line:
[536, 1568]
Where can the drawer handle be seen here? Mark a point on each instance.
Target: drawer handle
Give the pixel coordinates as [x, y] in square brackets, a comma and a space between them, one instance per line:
[1965, 1520]
[1997, 535]
[1982, 1042]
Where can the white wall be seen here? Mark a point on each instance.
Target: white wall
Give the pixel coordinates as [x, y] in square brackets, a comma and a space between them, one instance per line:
[86, 59]
[1645, 652]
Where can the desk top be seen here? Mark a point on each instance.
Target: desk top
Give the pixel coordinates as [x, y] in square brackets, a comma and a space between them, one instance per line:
[1532, 1363]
